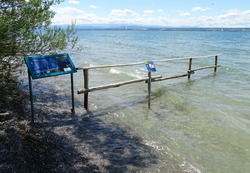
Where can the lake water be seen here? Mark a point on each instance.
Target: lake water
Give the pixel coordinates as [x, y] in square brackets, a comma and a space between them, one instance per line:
[197, 125]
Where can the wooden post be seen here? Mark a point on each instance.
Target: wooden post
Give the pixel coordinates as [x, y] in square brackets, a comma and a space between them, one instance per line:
[149, 88]
[189, 68]
[215, 63]
[86, 86]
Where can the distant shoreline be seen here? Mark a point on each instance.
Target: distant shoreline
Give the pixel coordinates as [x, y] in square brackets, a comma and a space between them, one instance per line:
[172, 29]
[127, 27]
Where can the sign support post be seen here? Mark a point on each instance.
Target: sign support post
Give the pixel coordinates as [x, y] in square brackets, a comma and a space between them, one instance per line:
[149, 88]
[72, 93]
[31, 97]
[151, 68]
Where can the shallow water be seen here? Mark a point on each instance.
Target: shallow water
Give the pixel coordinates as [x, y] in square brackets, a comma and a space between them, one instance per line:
[196, 125]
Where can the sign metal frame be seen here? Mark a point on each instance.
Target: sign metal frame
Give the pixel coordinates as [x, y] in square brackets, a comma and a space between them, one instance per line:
[48, 66]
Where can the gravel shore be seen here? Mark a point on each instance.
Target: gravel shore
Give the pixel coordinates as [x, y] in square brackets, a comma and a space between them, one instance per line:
[63, 142]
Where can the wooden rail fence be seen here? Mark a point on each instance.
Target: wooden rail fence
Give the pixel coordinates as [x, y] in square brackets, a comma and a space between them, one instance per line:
[148, 79]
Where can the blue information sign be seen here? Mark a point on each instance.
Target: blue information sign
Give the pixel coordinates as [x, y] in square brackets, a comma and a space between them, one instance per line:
[49, 65]
[150, 66]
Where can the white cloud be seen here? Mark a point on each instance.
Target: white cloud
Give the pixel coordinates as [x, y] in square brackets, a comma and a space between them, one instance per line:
[148, 13]
[160, 11]
[230, 18]
[68, 14]
[199, 9]
[181, 13]
[73, 2]
[118, 12]
[235, 18]
[92, 6]
[231, 14]
[122, 13]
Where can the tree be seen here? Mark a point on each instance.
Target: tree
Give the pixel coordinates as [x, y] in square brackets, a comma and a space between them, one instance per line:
[25, 30]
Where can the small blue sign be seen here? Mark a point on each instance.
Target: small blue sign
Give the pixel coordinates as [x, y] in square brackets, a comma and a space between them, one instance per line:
[150, 66]
[49, 65]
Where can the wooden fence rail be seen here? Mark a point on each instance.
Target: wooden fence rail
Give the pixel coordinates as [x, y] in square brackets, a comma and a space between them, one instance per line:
[115, 85]
[148, 79]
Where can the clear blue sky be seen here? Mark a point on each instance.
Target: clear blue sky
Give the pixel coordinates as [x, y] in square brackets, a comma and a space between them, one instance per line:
[176, 13]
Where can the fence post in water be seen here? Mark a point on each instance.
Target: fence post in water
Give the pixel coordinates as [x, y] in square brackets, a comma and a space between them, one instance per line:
[215, 63]
[189, 68]
[149, 88]
[86, 86]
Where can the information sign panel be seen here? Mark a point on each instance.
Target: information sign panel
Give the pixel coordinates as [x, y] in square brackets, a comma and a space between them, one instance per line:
[150, 66]
[49, 65]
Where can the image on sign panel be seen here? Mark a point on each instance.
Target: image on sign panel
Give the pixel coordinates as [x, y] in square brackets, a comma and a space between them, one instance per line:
[50, 65]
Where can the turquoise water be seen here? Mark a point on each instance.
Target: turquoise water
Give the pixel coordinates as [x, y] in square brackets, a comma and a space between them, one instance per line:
[197, 125]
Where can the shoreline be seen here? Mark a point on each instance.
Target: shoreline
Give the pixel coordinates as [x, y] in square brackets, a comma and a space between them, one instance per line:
[62, 142]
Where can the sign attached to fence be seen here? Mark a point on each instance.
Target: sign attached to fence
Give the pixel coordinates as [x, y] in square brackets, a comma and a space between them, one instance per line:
[49, 65]
[150, 66]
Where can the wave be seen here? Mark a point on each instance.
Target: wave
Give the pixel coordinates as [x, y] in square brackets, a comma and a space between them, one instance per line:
[139, 74]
